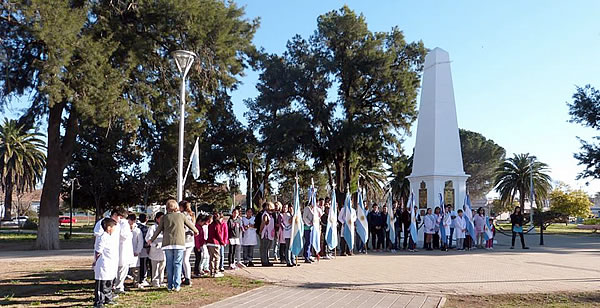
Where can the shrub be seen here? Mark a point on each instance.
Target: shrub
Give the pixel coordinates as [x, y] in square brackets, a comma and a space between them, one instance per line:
[30, 224]
[591, 221]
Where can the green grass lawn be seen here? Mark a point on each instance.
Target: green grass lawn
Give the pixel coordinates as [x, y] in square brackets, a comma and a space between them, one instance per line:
[553, 300]
[25, 241]
[556, 229]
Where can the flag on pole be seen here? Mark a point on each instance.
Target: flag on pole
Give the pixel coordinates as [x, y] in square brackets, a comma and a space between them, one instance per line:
[469, 217]
[362, 225]
[297, 224]
[391, 220]
[195, 159]
[442, 221]
[315, 235]
[331, 235]
[261, 189]
[487, 228]
[413, 217]
[348, 222]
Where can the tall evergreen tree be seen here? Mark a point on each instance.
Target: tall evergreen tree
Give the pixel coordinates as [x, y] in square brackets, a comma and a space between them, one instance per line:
[481, 157]
[99, 62]
[375, 77]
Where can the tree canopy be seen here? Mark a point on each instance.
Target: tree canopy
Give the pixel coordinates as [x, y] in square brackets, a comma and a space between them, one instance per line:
[585, 110]
[344, 96]
[481, 157]
[102, 62]
[570, 202]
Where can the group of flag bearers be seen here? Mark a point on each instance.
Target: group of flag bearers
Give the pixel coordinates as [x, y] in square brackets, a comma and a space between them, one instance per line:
[440, 229]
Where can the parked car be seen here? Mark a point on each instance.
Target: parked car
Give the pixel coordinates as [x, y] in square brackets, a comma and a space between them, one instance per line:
[65, 220]
[19, 220]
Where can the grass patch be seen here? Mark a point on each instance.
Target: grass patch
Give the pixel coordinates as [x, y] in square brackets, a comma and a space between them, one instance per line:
[570, 229]
[24, 241]
[553, 300]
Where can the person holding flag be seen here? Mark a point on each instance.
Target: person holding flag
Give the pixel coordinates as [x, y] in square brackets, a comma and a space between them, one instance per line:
[468, 215]
[490, 232]
[347, 217]
[315, 239]
[308, 219]
[412, 244]
[391, 225]
[446, 223]
[295, 245]
[331, 232]
[362, 224]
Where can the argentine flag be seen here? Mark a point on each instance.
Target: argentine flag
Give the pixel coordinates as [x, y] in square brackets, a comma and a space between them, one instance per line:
[391, 220]
[297, 224]
[331, 235]
[348, 223]
[413, 218]
[469, 217]
[443, 212]
[487, 228]
[315, 235]
[362, 225]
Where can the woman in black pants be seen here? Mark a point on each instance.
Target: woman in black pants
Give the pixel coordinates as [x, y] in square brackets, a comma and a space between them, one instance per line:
[516, 220]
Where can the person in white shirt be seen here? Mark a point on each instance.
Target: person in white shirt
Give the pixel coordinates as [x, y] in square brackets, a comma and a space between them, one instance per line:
[116, 214]
[308, 218]
[144, 261]
[249, 239]
[156, 254]
[343, 219]
[125, 253]
[106, 262]
[137, 241]
[429, 225]
[460, 229]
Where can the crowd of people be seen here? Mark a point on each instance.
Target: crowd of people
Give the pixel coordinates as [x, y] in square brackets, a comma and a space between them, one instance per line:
[126, 245]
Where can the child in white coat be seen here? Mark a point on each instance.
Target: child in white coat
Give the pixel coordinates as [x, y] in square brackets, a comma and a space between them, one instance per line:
[460, 229]
[125, 252]
[106, 262]
[429, 225]
[156, 254]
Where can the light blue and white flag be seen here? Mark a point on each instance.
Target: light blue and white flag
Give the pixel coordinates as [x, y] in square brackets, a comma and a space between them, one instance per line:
[391, 220]
[487, 228]
[362, 225]
[413, 217]
[315, 235]
[443, 213]
[331, 234]
[195, 161]
[348, 222]
[469, 217]
[297, 224]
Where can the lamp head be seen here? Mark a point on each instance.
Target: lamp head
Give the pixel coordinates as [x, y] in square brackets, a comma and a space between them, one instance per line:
[184, 60]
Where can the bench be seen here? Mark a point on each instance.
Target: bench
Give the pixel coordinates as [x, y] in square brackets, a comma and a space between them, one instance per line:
[594, 228]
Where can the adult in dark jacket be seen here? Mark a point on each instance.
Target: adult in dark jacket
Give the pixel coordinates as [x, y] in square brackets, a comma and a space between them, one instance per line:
[405, 218]
[516, 220]
[376, 224]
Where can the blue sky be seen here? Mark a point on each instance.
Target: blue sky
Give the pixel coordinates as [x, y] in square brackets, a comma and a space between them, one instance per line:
[515, 65]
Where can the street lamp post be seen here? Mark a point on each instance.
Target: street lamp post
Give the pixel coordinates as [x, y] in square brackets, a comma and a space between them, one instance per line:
[532, 194]
[184, 60]
[71, 210]
[251, 159]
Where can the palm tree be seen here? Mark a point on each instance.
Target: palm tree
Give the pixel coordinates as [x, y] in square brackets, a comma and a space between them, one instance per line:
[22, 160]
[374, 180]
[513, 177]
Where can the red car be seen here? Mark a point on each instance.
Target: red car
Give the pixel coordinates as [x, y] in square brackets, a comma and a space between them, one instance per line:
[65, 220]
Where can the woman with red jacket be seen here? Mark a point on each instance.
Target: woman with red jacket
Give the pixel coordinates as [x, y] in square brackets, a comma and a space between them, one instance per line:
[214, 242]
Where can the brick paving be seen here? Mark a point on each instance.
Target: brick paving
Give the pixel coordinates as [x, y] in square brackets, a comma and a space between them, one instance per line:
[278, 296]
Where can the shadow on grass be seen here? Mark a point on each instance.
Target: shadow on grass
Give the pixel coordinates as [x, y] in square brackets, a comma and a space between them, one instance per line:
[66, 288]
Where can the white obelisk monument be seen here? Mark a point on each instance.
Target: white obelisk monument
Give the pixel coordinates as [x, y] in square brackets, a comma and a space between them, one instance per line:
[437, 163]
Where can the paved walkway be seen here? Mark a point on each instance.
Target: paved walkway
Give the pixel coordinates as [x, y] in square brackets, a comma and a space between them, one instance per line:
[566, 263]
[275, 296]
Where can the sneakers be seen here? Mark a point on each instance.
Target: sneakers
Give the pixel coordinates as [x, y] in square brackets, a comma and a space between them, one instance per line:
[326, 257]
[218, 275]
[145, 284]
[177, 289]
[186, 282]
[241, 265]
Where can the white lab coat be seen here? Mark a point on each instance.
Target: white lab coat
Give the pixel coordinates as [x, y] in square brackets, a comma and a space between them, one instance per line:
[249, 235]
[108, 262]
[125, 243]
[459, 225]
[137, 241]
[429, 222]
[156, 253]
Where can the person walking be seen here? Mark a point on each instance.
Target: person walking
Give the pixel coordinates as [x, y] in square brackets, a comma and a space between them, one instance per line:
[516, 220]
[172, 225]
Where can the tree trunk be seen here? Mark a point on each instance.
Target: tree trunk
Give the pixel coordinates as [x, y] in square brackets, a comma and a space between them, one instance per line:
[8, 199]
[339, 178]
[59, 154]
